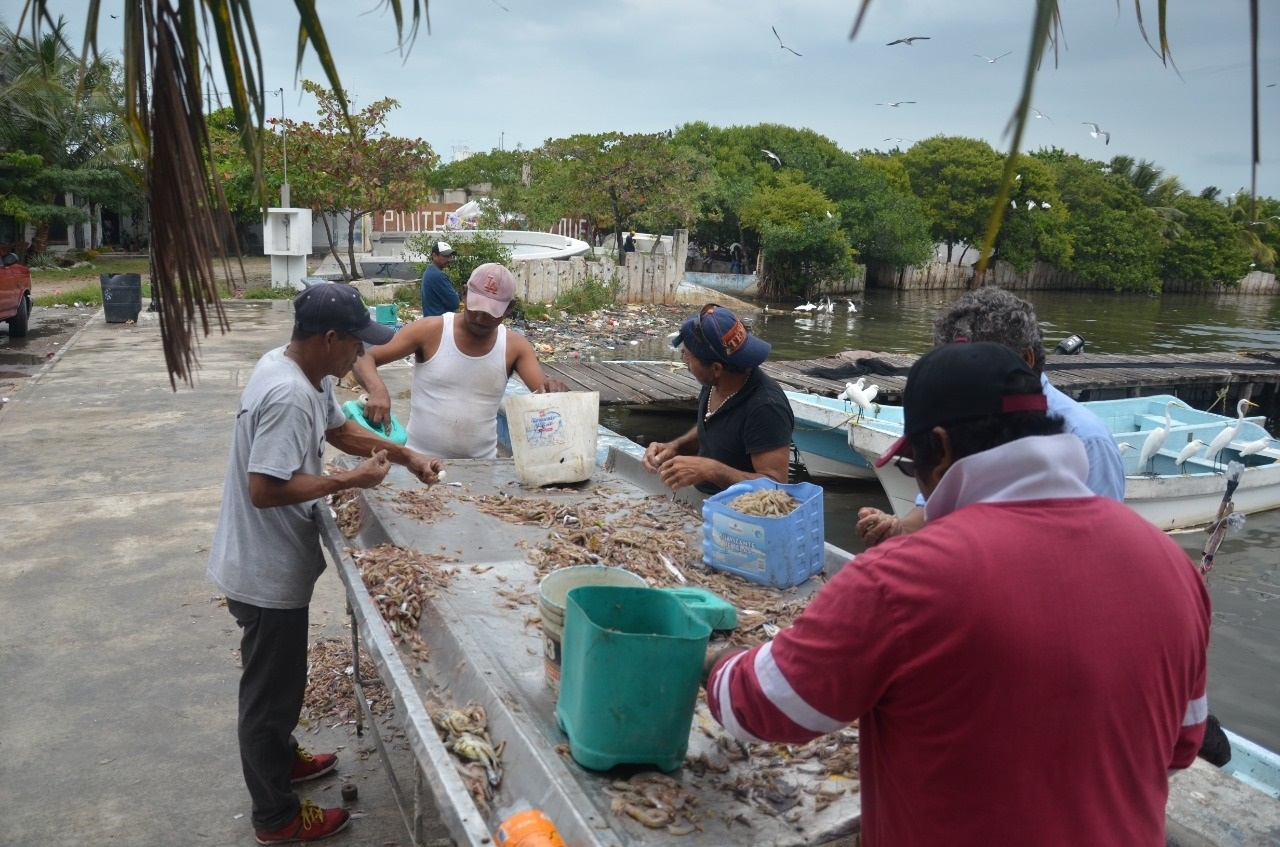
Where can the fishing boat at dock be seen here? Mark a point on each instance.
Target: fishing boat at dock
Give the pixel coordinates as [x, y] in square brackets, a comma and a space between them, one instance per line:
[1170, 495]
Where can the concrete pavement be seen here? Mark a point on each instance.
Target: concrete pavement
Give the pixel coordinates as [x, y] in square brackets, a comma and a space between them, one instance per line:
[117, 658]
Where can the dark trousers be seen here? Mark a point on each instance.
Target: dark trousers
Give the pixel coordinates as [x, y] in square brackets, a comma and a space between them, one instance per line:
[273, 655]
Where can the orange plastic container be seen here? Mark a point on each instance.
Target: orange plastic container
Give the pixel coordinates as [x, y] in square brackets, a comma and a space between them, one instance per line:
[530, 828]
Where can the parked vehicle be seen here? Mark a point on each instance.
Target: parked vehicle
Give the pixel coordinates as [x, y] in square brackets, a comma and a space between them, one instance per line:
[15, 295]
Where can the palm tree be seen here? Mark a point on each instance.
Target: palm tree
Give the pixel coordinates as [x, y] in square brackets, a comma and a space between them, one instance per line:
[68, 117]
[169, 47]
[1157, 192]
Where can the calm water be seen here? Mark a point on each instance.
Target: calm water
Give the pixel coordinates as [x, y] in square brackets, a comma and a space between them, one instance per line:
[1244, 682]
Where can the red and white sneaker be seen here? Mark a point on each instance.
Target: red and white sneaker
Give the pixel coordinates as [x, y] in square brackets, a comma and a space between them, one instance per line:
[311, 824]
[309, 766]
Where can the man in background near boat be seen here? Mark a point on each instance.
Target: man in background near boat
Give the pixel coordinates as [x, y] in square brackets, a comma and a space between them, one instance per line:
[461, 366]
[266, 554]
[993, 314]
[438, 294]
[744, 419]
[1025, 669]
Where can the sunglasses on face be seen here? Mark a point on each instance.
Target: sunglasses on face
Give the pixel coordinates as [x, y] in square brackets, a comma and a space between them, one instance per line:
[907, 466]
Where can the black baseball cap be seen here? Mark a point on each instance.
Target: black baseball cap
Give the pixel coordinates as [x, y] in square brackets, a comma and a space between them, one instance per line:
[959, 382]
[337, 306]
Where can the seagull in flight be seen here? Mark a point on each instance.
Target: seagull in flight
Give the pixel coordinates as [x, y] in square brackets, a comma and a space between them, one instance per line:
[895, 103]
[991, 61]
[908, 41]
[1098, 132]
[900, 140]
[779, 37]
[1040, 114]
[771, 155]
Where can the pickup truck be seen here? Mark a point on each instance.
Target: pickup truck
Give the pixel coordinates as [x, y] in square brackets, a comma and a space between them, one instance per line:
[15, 295]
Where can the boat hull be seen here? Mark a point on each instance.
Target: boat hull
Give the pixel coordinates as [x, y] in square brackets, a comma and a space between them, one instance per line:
[821, 436]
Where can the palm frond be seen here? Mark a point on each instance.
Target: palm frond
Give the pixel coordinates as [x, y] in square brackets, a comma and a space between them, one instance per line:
[169, 46]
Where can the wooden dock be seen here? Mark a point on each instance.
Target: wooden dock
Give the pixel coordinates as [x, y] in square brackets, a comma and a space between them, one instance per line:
[1198, 378]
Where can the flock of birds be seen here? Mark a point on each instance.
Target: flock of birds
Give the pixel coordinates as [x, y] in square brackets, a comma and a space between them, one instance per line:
[1095, 131]
[825, 306]
[1155, 440]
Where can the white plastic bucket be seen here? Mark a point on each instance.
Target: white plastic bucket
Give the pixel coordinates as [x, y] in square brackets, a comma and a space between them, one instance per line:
[553, 436]
[552, 593]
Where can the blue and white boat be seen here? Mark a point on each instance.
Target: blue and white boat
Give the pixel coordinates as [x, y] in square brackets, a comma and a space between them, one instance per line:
[822, 436]
[1169, 495]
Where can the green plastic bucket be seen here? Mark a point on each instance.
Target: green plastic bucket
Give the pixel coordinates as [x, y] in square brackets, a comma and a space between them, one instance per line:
[552, 591]
[630, 670]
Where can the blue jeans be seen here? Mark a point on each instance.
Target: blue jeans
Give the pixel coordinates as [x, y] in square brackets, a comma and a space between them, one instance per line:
[273, 681]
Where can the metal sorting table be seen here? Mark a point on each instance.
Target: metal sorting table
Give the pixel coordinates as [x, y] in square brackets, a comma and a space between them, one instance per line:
[485, 653]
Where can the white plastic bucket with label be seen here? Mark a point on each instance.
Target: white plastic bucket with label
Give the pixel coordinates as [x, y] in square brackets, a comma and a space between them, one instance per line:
[553, 436]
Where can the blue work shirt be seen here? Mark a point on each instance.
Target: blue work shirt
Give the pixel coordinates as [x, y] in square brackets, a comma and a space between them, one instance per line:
[438, 293]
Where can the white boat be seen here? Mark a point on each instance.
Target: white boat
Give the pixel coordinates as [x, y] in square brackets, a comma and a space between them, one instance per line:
[821, 436]
[1169, 496]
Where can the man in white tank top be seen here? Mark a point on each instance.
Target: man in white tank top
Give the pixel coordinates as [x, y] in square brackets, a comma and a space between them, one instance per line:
[461, 366]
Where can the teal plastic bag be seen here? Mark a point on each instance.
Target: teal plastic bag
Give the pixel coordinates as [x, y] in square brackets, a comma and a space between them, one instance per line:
[355, 412]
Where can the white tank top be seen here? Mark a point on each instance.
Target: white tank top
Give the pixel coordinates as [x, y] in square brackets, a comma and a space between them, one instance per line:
[453, 407]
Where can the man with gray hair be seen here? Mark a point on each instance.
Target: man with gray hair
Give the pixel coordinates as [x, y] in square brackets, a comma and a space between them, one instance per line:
[996, 315]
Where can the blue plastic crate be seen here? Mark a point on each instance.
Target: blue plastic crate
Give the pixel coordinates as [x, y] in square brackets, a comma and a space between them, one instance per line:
[780, 552]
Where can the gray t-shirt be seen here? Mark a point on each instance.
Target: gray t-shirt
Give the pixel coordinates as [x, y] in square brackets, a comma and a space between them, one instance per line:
[271, 557]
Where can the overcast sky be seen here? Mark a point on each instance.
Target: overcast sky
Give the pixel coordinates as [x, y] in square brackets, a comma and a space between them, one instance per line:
[488, 76]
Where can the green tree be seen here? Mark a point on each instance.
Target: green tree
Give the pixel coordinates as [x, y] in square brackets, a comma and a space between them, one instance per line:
[955, 178]
[800, 237]
[1209, 248]
[617, 180]
[350, 166]
[1115, 239]
[1035, 227]
[61, 132]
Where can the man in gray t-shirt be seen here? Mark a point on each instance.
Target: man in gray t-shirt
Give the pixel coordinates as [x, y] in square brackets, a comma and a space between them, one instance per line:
[266, 553]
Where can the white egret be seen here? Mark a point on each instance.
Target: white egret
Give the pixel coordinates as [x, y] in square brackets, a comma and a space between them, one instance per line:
[807, 307]
[852, 308]
[1249, 448]
[1223, 438]
[1155, 439]
[1192, 448]
[771, 155]
[860, 394]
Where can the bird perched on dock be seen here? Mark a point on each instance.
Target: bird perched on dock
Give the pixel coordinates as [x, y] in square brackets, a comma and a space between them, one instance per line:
[1222, 439]
[1156, 438]
[908, 41]
[1098, 132]
[780, 44]
[1187, 452]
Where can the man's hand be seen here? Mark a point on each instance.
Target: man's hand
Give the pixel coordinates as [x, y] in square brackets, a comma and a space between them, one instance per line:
[426, 468]
[370, 472]
[377, 409]
[680, 471]
[656, 454]
[875, 526]
[551, 386]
